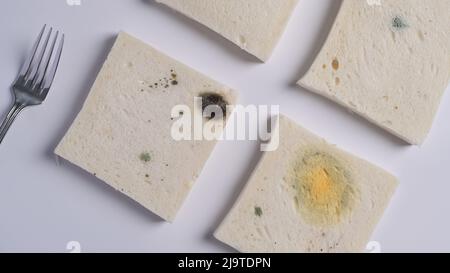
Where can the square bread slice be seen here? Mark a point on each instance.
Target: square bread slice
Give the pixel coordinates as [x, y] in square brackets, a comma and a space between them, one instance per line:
[307, 196]
[253, 25]
[388, 61]
[123, 133]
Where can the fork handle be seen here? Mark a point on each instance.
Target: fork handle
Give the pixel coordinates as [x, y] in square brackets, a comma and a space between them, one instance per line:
[15, 110]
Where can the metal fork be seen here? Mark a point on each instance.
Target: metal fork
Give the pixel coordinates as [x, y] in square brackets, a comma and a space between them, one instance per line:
[36, 76]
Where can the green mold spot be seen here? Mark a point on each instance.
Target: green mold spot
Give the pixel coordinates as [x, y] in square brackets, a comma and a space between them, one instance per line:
[258, 211]
[399, 23]
[145, 157]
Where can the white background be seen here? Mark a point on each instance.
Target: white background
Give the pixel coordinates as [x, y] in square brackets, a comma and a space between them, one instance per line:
[43, 206]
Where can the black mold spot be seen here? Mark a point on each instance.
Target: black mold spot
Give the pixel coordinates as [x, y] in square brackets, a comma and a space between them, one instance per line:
[212, 99]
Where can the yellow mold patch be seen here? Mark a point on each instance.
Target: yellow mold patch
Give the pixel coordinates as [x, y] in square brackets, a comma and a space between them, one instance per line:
[324, 190]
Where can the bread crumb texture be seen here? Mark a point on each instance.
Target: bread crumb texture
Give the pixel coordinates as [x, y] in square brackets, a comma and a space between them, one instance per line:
[307, 196]
[253, 25]
[388, 63]
[325, 191]
[123, 134]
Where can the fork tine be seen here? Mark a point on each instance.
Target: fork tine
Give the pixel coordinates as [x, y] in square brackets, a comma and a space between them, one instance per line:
[26, 66]
[43, 69]
[37, 62]
[50, 75]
